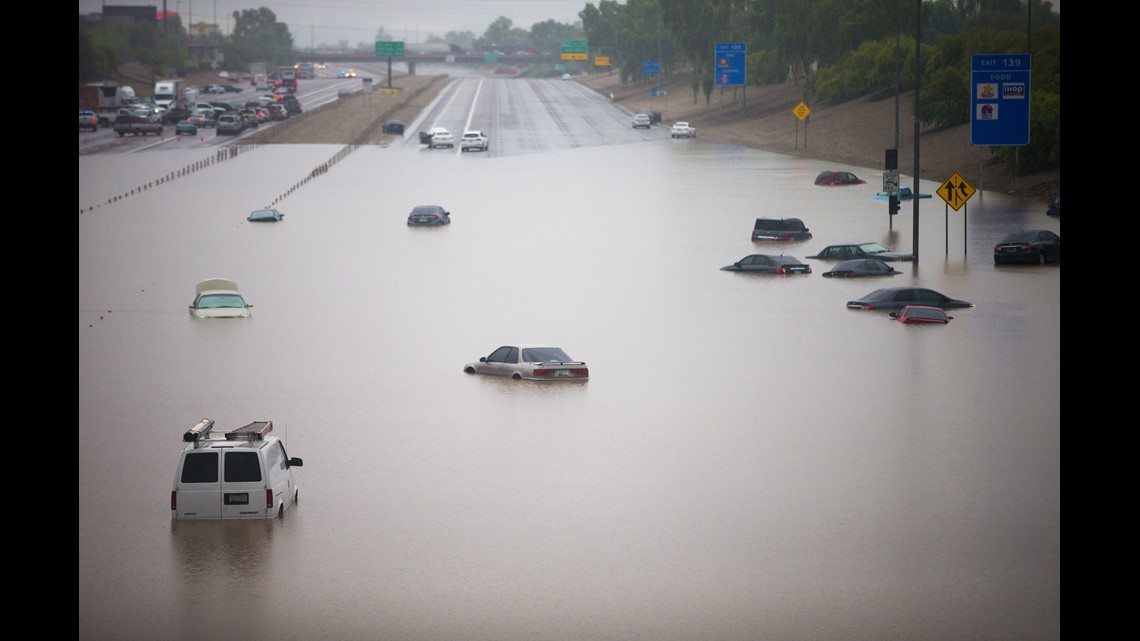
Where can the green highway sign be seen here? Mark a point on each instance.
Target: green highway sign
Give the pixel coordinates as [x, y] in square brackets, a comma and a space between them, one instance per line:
[389, 49]
[575, 49]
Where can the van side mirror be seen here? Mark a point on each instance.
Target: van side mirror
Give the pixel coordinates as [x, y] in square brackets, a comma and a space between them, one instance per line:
[295, 462]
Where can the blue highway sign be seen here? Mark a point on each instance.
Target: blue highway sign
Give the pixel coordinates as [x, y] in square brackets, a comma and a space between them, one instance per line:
[999, 100]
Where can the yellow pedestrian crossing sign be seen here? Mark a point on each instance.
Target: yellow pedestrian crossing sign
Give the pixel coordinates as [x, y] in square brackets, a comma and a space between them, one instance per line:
[956, 191]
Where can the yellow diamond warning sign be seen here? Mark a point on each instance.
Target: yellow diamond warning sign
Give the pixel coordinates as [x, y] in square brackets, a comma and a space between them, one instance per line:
[955, 191]
[801, 111]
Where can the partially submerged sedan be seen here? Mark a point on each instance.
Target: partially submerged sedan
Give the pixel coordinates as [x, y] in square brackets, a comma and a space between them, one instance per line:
[768, 264]
[899, 297]
[530, 362]
[861, 268]
[1035, 246]
[265, 216]
[838, 178]
[861, 250]
[429, 215]
[218, 298]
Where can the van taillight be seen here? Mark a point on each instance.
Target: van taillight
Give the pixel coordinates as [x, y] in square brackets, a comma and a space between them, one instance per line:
[269, 499]
[173, 500]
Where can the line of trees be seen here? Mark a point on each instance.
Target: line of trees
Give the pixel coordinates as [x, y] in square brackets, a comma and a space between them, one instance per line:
[842, 49]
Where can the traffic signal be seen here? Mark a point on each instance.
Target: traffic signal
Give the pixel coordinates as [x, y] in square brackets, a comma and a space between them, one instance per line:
[893, 204]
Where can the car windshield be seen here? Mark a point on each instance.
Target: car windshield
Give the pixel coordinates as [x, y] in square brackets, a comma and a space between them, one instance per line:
[933, 314]
[215, 301]
[544, 355]
[425, 210]
[873, 248]
[267, 213]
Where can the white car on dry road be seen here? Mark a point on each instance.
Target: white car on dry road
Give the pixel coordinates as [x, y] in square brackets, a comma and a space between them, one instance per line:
[474, 141]
[683, 130]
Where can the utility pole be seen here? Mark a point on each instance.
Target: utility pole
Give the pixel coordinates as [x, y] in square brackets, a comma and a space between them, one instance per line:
[917, 122]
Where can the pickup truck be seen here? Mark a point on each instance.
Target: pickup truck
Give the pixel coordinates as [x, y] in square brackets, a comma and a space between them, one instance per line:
[137, 124]
[474, 141]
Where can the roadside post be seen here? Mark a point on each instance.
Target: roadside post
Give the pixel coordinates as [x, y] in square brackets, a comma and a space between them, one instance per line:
[801, 111]
[729, 61]
[999, 100]
[955, 192]
[651, 68]
[891, 184]
[389, 50]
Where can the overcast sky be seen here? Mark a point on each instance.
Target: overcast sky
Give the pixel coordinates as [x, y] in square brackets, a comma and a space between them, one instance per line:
[328, 22]
[317, 22]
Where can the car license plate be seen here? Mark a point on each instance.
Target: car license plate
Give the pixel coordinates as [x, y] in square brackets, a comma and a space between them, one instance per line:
[237, 499]
[562, 372]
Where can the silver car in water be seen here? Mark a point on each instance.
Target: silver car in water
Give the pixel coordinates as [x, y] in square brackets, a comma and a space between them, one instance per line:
[530, 362]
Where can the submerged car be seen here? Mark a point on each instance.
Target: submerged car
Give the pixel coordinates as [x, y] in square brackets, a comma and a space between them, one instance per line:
[218, 298]
[861, 250]
[429, 215]
[768, 264]
[1037, 246]
[530, 362]
[265, 216]
[921, 314]
[241, 474]
[838, 178]
[780, 229]
[394, 127]
[1054, 208]
[900, 297]
[861, 268]
[683, 130]
[642, 121]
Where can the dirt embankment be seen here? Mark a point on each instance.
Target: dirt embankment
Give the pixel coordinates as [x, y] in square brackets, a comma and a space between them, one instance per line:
[854, 133]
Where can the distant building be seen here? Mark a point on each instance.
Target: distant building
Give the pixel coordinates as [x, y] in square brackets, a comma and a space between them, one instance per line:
[127, 16]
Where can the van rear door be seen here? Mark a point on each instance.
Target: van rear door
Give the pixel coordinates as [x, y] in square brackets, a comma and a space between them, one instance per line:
[198, 488]
[243, 493]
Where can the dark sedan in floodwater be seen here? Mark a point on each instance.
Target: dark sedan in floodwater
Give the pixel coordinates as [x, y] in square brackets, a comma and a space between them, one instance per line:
[838, 178]
[899, 297]
[1036, 246]
[429, 215]
[265, 216]
[861, 268]
[768, 264]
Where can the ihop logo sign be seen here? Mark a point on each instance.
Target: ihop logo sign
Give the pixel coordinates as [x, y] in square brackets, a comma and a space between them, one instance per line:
[1013, 91]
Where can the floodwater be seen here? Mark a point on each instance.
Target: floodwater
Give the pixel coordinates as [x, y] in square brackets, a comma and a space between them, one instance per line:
[749, 459]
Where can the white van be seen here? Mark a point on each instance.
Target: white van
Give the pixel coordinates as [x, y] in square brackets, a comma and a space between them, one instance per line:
[244, 474]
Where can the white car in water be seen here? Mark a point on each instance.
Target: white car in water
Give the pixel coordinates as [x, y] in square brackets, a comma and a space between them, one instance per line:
[683, 130]
[218, 298]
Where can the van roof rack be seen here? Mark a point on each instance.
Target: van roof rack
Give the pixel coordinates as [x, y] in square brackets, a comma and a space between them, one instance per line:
[201, 429]
[254, 431]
